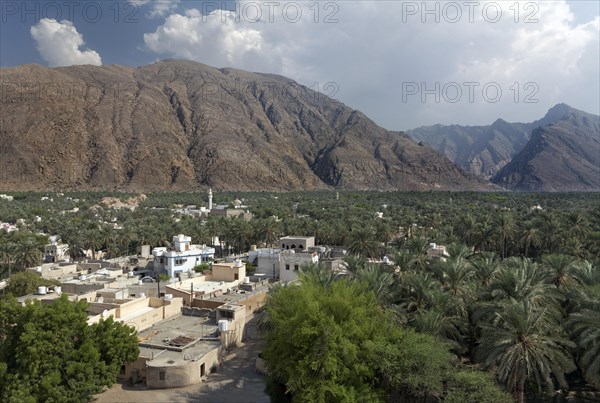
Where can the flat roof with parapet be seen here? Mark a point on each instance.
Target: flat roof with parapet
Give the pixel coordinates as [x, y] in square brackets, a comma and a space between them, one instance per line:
[175, 341]
[204, 286]
[237, 295]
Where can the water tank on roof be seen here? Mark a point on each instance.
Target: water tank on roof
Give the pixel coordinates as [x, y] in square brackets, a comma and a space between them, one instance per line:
[100, 300]
[253, 248]
[432, 245]
[246, 280]
[386, 260]
[223, 325]
[38, 269]
[82, 277]
[42, 290]
[142, 295]
[58, 289]
[168, 297]
[238, 263]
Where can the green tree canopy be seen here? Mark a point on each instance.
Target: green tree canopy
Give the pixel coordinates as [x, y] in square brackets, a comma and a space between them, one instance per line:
[334, 343]
[49, 353]
[26, 282]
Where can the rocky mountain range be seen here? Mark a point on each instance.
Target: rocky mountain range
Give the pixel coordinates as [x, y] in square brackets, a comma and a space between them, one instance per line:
[180, 125]
[562, 156]
[484, 150]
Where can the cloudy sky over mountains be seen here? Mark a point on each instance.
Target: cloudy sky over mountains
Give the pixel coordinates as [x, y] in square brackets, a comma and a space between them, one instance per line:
[403, 63]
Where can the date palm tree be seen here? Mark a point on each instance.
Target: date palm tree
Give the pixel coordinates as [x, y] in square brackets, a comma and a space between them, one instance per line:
[485, 266]
[520, 279]
[93, 241]
[377, 280]
[467, 229]
[268, 231]
[562, 271]
[199, 233]
[402, 260]
[413, 290]
[28, 254]
[529, 236]
[578, 226]
[551, 227]
[8, 254]
[523, 342]
[317, 273]
[455, 277]
[585, 330]
[484, 235]
[440, 324]
[354, 263]
[126, 237]
[504, 229]
[363, 243]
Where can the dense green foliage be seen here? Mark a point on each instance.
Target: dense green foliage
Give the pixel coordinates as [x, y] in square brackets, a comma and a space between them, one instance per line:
[332, 342]
[24, 283]
[48, 353]
[518, 295]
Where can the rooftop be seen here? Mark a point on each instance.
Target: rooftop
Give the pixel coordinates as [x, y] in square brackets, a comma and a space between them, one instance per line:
[174, 341]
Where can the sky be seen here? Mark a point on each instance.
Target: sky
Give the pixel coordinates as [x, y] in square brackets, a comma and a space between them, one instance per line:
[403, 63]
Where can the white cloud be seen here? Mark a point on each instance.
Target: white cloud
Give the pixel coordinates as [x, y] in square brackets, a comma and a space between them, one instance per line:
[58, 44]
[216, 39]
[159, 8]
[376, 48]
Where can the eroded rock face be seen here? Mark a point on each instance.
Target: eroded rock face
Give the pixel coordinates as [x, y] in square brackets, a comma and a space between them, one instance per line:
[564, 156]
[178, 125]
[485, 150]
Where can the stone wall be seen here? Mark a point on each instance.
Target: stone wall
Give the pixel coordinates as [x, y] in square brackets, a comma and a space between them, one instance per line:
[188, 373]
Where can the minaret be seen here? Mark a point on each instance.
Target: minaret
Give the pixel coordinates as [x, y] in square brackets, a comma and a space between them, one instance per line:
[210, 199]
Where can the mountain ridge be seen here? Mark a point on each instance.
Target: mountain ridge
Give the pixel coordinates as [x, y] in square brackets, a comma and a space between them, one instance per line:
[561, 156]
[182, 125]
[485, 150]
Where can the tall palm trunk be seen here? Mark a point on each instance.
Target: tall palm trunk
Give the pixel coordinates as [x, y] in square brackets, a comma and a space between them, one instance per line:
[521, 391]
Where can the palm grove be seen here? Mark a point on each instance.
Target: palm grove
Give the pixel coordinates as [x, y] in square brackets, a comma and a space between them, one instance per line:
[517, 298]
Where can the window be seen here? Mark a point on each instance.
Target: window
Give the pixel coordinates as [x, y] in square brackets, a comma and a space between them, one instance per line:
[180, 261]
[287, 266]
[236, 276]
[301, 247]
[296, 267]
[202, 369]
[161, 376]
[226, 314]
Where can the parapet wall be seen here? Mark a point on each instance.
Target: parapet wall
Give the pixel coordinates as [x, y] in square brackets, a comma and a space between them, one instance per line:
[188, 373]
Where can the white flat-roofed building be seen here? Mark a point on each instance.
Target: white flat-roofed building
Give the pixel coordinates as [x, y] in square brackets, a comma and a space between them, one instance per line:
[291, 261]
[55, 252]
[297, 243]
[437, 251]
[182, 257]
[266, 261]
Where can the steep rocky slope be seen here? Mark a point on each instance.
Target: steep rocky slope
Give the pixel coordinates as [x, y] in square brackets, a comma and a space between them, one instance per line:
[177, 125]
[484, 150]
[564, 156]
